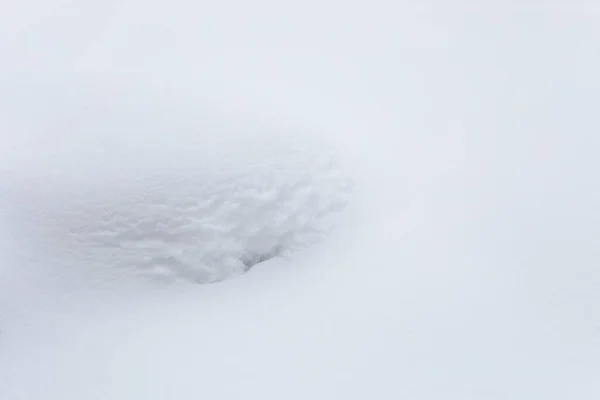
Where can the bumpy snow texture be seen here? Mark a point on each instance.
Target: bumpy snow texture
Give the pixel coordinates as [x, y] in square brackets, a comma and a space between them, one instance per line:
[176, 195]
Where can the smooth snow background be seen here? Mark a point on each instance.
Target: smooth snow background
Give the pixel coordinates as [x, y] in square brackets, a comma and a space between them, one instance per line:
[466, 266]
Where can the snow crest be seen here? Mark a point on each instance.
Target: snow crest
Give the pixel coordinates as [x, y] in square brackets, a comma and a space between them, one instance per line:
[135, 194]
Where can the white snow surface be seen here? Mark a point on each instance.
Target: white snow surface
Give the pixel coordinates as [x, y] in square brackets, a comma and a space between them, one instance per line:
[418, 179]
[112, 184]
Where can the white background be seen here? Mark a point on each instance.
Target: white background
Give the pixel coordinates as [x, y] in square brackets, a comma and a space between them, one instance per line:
[466, 267]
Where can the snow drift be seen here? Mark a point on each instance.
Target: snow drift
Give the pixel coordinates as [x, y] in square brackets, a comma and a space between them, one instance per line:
[176, 191]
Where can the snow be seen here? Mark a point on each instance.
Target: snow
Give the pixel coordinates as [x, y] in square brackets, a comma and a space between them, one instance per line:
[187, 195]
[419, 181]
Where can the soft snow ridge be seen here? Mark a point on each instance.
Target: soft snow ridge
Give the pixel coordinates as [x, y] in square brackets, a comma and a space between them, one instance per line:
[190, 197]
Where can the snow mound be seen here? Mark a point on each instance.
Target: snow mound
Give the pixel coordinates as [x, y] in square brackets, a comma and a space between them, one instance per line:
[105, 183]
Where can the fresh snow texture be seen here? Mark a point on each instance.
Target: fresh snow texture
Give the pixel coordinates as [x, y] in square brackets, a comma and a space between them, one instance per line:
[111, 183]
[147, 145]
